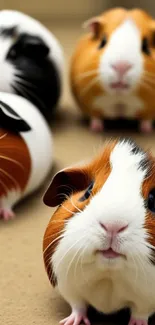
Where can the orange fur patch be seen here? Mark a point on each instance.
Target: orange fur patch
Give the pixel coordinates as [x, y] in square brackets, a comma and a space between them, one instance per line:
[15, 162]
[148, 185]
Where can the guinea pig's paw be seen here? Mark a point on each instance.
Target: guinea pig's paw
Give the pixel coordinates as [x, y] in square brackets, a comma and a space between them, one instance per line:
[135, 321]
[146, 126]
[96, 125]
[6, 214]
[75, 318]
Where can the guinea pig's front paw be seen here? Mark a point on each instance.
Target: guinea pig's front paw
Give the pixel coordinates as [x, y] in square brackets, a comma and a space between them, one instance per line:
[146, 126]
[6, 214]
[75, 318]
[135, 321]
[96, 125]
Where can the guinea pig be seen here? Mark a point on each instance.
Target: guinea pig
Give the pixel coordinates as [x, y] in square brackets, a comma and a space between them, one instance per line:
[26, 151]
[31, 61]
[99, 246]
[112, 71]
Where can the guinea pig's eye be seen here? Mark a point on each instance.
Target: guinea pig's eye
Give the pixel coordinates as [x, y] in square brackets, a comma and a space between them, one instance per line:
[151, 200]
[87, 193]
[103, 42]
[145, 46]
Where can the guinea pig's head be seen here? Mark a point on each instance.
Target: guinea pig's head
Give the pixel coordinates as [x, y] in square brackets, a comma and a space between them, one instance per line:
[121, 45]
[26, 65]
[106, 212]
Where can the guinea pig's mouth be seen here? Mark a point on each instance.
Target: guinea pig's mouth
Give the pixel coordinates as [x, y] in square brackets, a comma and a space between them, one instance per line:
[110, 253]
[119, 85]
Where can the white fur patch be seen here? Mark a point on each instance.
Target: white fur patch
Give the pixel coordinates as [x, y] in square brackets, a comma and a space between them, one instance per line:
[85, 277]
[123, 45]
[108, 105]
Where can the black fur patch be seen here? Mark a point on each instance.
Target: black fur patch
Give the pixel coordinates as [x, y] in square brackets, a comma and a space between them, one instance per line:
[37, 78]
[144, 164]
[10, 120]
[8, 32]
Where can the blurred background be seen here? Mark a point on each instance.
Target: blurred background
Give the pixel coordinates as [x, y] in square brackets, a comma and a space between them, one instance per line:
[69, 10]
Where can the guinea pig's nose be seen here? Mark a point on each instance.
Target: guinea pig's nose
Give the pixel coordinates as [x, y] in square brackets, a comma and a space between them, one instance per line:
[121, 67]
[114, 228]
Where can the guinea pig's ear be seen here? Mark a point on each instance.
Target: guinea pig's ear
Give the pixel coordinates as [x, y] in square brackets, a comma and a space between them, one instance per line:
[34, 45]
[31, 46]
[94, 25]
[64, 183]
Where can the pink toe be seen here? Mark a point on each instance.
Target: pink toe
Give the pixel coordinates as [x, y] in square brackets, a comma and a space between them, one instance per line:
[96, 125]
[146, 126]
[134, 321]
[86, 321]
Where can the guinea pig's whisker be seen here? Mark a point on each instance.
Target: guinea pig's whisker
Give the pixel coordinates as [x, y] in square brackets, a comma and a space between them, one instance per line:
[50, 244]
[72, 212]
[4, 186]
[10, 177]
[75, 205]
[68, 251]
[72, 260]
[61, 231]
[3, 136]
[30, 93]
[51, 236]
[90, 85]
[148, 79]
[86, 74]
[134, 262]
[26, 92]
[145, 85]
[21, 79]
[12, 160]
[142, 267]
[81, 264]
[149, 74]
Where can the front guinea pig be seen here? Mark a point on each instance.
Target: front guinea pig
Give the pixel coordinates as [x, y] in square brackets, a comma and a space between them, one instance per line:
[113, 68]
[31, 61]
[99, 246]
[26, 152]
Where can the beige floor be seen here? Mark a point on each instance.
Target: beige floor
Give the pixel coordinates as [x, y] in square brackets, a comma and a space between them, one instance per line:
[26, 296]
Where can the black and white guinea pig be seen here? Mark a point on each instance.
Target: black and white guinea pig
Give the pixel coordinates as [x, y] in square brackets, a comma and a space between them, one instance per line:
[31, 61]
[26, 151]
[99, 246]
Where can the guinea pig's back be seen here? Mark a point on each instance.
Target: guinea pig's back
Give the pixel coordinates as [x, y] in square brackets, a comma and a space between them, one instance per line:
[38, 140]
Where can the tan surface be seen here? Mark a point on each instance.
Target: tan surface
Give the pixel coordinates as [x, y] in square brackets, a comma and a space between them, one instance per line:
[26, 296]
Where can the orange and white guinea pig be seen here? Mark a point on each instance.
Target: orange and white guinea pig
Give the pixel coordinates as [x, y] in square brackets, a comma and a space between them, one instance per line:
[99, 246]
[26, 151]
[113, 68]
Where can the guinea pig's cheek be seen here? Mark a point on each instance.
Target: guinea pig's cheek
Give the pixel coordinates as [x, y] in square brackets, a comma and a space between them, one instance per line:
[75, 245]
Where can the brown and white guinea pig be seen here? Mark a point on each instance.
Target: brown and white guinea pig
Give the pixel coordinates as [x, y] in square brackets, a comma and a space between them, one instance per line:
[31, 61]
[113, 68]
[99, 246]
[26, 151]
